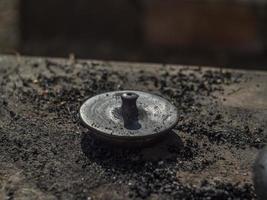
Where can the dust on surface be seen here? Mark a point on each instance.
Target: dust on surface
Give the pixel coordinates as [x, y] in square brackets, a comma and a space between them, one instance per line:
[208, 155]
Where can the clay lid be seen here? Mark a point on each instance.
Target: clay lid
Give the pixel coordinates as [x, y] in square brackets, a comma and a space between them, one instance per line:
[126, 116]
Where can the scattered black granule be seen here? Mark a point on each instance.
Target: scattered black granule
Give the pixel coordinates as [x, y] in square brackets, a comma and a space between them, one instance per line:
[41, 133]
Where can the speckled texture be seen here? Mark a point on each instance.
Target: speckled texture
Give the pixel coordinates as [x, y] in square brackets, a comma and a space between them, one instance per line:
[46, 152]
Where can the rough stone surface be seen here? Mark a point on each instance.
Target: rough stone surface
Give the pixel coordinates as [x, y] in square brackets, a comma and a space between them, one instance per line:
[46, 153]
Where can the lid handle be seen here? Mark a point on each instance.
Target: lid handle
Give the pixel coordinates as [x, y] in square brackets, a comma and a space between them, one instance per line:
[129, 109]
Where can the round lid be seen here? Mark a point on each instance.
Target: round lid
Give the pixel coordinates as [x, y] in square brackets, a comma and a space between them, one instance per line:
[128, 115]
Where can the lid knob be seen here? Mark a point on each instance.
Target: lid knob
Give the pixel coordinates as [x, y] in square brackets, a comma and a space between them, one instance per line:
[129, 110]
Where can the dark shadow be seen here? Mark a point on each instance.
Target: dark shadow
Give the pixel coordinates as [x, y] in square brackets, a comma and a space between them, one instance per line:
[167, 149]
[132, 126]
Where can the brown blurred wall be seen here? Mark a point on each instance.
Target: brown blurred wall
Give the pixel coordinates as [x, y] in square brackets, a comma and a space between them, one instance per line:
[115, 20]
[204, 32]
[216, 25]
[9, 26]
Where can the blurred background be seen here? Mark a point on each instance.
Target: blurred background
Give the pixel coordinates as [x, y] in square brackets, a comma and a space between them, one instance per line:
[229, 33]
